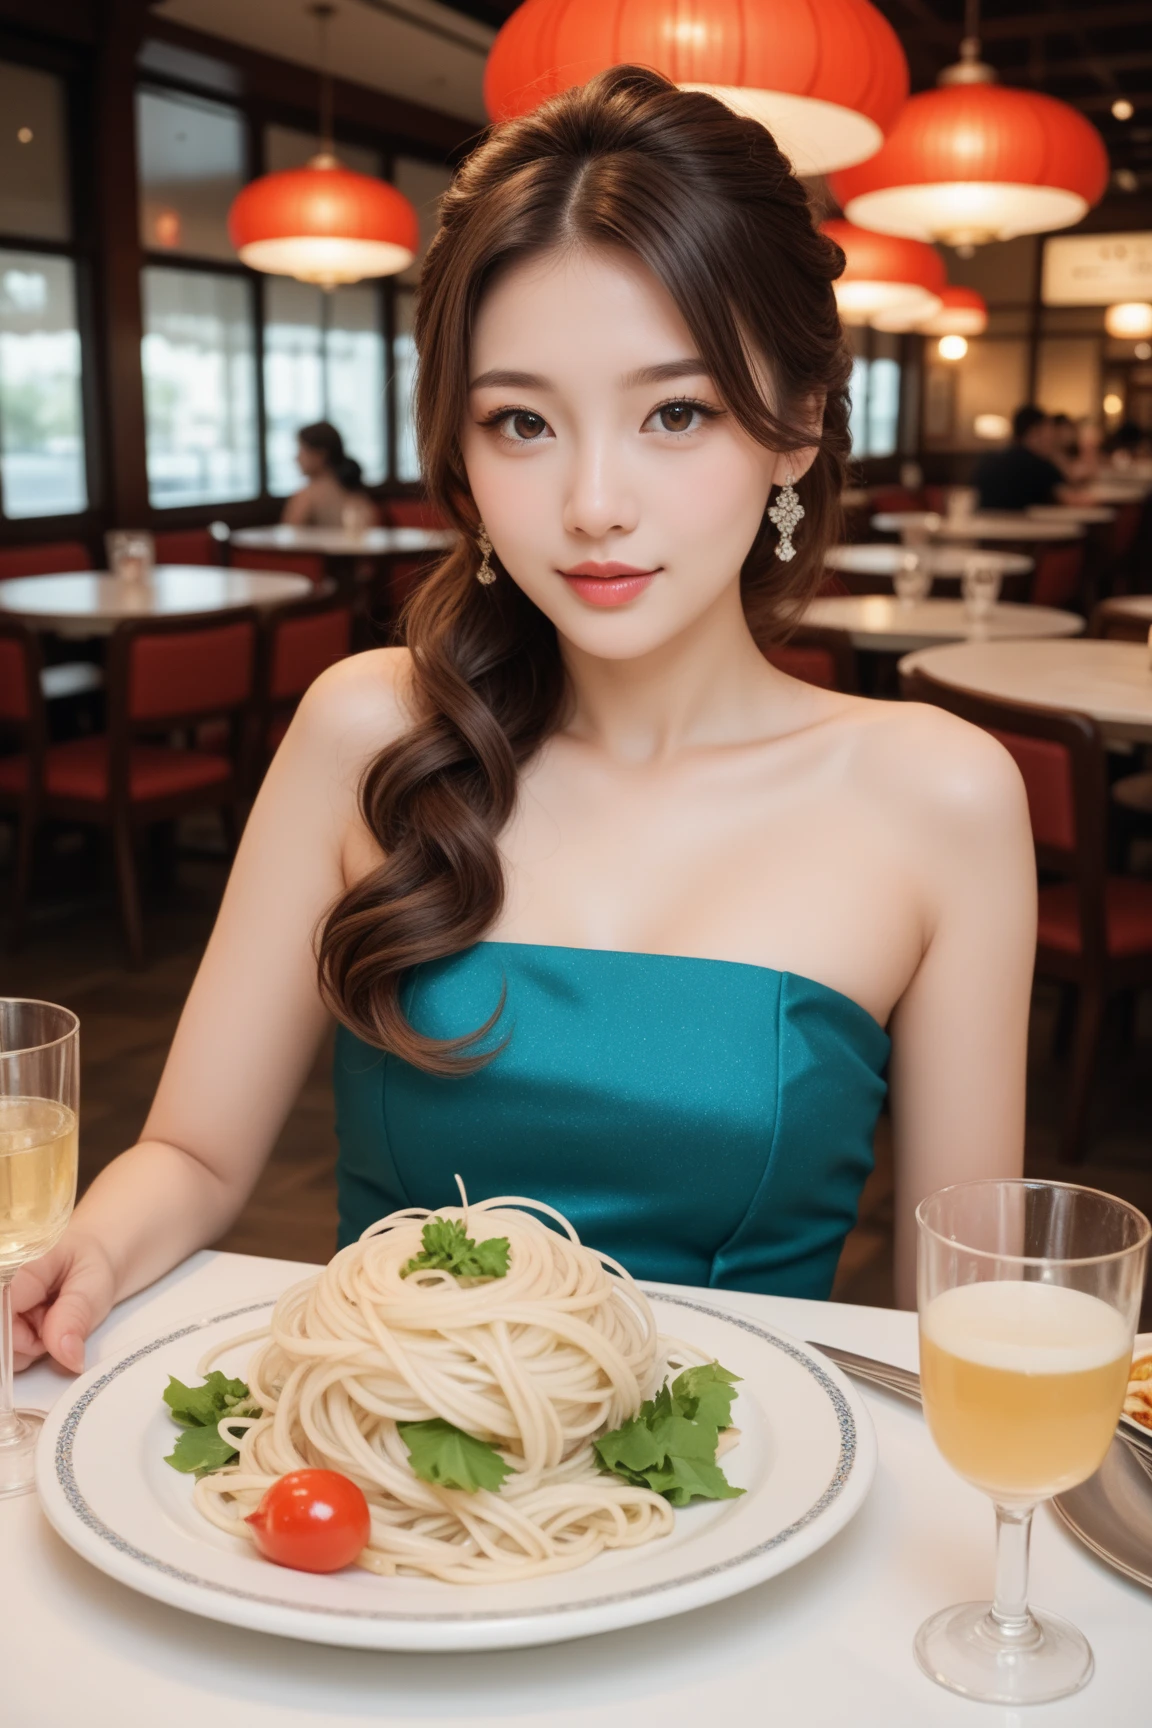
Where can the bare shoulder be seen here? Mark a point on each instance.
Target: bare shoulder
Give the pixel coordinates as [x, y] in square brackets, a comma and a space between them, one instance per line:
[357, 707]
[930, 765]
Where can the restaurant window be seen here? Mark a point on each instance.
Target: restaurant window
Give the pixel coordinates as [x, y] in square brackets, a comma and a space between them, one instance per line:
[42, 453]
[323, 360]
[199, 360]
[874, 405]
[403, 383]
[191, 155]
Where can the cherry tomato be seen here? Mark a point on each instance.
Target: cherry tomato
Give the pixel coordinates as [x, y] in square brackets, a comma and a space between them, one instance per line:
[312, 1520]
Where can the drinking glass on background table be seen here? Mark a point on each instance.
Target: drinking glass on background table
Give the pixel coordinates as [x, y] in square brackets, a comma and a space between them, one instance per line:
[1029, 1294]
[962, 501]
[980, 587]
[131, 553]
[911, 577]
[39, 1105]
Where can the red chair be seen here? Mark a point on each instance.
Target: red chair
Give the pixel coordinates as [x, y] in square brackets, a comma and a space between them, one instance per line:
[161, 676]
[1095, 930]
[1058, 577]
[308, 564]
[412, 513]
[47, 559]
[818, 656]
[897, 500]
[187, 546]
[298, 641]
[23, 734]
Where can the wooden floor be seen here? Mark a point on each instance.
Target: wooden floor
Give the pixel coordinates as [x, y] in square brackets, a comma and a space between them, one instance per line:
[73, 954]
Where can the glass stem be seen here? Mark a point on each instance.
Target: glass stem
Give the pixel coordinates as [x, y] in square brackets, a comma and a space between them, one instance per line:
[1011, 1622]
[9, 1423]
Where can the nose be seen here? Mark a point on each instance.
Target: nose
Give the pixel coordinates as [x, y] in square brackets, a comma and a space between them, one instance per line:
[599, 498]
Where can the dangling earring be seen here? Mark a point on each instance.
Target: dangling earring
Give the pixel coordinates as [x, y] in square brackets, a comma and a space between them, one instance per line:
[786, 513]
[485, 575]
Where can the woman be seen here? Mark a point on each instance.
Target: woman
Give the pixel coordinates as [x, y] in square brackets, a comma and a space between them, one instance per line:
[334, 496]
[611, 911]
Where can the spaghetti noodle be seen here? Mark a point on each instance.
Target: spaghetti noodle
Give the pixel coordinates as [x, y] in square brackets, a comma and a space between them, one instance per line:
[538, 1362]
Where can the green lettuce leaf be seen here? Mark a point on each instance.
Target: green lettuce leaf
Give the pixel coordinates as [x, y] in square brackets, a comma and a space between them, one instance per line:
[670, 1444]
[199, 1410]
[448, 1246]
[201, 1450]
[445, 1455]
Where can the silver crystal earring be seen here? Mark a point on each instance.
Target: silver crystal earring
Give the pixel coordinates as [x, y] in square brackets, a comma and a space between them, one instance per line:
[786, 513]
[485, 575]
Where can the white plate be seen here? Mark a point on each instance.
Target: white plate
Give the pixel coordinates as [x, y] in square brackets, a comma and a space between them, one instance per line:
[806, 1460]
[1142, 1346]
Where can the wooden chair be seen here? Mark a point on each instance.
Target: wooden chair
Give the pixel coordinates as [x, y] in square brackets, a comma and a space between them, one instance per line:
[298, 641]
[162, 676]
[818, 656]
[1095, 930]
[1116, 621]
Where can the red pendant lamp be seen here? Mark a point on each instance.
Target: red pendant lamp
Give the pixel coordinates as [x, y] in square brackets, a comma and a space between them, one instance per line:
[885, 278]
[323, 223]
[962, 312]
[827, 77]
[972, 161]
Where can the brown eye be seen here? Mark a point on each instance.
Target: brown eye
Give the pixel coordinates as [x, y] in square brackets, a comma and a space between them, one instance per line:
[677, 416]
[527, 426]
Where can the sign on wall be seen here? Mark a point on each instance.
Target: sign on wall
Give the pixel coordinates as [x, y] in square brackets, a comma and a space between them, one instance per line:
[1097, 269]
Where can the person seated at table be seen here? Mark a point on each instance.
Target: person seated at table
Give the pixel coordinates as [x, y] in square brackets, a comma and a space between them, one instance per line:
[335, 496]
[609, 910]
[1130, 442]
[1026, 471]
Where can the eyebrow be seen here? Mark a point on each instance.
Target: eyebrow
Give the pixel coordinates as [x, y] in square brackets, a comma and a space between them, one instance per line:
[500, 377]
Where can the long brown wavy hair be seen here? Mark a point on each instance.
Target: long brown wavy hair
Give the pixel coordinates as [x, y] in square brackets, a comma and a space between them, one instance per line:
[706, 200]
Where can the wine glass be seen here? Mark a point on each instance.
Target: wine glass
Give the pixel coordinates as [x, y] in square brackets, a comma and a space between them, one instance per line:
[1029, 1294]
[912, 577]
[980, 586]
[39, 1141]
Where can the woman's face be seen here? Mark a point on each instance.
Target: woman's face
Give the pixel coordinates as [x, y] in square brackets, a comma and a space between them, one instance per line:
[618, 491]
[310, 462]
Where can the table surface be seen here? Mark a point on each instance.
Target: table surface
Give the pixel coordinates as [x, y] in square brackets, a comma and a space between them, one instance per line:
[1117, 491]
[1091, 515]
[1135, 605]
[980, 525]
[343, 542]
[95, 599]
[875, 559]
[1111, 681]
[825, 1645]
[884, 624]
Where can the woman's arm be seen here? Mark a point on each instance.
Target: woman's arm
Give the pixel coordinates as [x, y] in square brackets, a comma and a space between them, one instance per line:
[960, 1030]
[248, 1033]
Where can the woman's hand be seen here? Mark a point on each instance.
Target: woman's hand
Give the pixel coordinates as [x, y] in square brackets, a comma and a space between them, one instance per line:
[59, 1299]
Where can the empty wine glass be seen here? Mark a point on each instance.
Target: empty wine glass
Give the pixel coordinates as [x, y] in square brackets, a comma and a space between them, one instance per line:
[1029, 1294]
[911, 577]
[980, 587]
[39, 1102]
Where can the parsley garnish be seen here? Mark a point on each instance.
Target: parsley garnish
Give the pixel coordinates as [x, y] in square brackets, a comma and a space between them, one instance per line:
[447, 1246]
[447, 1456]
[670, 1444]
[199, 1410]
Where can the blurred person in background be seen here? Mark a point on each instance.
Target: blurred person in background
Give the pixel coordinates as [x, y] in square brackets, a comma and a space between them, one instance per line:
[1130, 442]
[334, 496]
[1027, 471]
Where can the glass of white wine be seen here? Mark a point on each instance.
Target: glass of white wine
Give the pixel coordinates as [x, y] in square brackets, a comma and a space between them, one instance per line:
[39, 1142]
[1029, 1295]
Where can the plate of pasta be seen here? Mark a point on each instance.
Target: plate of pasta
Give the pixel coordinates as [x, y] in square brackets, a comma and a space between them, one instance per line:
[468, 1431]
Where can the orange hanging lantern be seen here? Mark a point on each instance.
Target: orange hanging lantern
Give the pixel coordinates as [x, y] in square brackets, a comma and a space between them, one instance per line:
[885, 279]
[826, 77]
[973, 161]
[962, 312]
[323, 224]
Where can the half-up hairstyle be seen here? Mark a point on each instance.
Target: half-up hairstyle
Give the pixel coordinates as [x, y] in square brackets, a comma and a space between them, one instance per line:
[704, 198]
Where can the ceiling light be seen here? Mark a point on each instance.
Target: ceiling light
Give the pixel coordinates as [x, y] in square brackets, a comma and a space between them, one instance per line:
[1113, 404]
[1143, 350]
[826, 77]
[885, 278]
[1122, 109]
[952, 347]
[991, 426]
[1130, 321]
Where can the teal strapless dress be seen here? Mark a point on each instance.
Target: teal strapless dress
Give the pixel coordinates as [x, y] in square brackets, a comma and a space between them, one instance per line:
[702, 1121]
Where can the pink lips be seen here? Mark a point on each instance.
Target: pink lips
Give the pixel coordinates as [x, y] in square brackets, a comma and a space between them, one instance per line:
[608, 584]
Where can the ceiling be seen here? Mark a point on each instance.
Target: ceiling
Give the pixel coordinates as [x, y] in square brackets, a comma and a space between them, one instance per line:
[434, 53]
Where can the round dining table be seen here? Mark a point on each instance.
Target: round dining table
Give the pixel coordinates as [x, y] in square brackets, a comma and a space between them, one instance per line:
[343, 542]
[876, 558]
[827, 1644]
[1109, 681]
[87, 603]
[979, 525]
[1087, 515]
[881, 624]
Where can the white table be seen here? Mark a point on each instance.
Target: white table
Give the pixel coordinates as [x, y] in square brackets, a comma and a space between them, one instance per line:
[874, 559]
[1116, 491]
[1088, 515]
[980, 525]
[885, 625]
[344, 542]
[826, 1645]
[92, 603]
[1111, 681]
